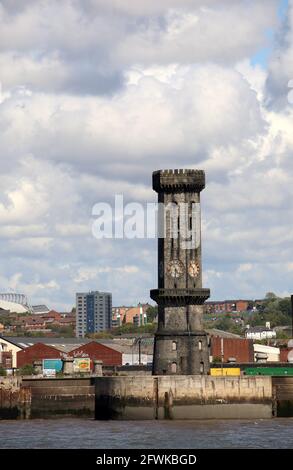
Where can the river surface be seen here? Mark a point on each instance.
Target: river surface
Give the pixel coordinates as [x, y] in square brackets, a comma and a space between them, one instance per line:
[82, 433]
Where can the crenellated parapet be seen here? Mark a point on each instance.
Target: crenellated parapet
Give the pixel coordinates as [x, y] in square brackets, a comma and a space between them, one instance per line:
[178, 180]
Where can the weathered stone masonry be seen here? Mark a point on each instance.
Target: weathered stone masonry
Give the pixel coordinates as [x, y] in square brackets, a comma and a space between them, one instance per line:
[181, 345]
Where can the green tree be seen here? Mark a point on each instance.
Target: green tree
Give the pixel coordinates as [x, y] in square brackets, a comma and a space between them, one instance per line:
[224, 323]
[152, 313]
[282, 335]
[270, 296]
[285, 306]
[27, 369]
[100, 335]
[130, 328]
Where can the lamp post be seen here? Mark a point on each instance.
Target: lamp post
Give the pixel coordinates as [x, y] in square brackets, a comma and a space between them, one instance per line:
[222, 354]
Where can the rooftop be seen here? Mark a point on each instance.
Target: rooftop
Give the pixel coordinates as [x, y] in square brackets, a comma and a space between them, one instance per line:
[258, 329]
[222, 334]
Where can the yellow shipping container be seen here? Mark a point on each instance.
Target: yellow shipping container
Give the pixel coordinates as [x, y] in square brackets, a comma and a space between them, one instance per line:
[216, 372]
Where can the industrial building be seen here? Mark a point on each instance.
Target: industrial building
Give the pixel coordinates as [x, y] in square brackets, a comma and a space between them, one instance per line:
[40, 309]
[94, 350]
[37, 352]
[93, 312]
[264, 353]
[232, 349]
[119, 351]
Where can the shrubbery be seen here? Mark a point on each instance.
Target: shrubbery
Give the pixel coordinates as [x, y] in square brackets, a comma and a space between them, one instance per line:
[27, 369]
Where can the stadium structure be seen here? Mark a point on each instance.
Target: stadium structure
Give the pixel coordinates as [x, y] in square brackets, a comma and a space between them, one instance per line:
[15, 303]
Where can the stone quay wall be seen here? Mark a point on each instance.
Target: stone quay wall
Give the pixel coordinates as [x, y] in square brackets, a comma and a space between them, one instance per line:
[15, 401]
[183, 397]
[54, 397]
[140, 397]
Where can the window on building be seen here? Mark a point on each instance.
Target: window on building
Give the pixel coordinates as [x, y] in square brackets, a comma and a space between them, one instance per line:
[174, 346]
[200, 345]
[174, 367]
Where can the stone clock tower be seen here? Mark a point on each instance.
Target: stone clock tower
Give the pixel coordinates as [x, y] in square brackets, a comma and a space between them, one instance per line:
[181, 345]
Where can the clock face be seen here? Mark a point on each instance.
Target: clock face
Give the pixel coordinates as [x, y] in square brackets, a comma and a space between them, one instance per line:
[175, 268]
[193, 269]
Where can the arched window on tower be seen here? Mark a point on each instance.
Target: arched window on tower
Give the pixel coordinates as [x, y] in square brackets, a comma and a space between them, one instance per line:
[174, 367]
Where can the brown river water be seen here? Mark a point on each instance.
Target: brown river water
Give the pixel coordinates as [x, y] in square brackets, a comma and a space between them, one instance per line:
[89, 434]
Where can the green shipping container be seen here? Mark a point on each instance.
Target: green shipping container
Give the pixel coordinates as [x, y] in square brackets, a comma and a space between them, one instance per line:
[273, 371]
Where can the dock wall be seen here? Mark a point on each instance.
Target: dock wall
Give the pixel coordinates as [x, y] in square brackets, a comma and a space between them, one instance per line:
[15, 401]
[143, 397]
[61, 397]
[183, 397]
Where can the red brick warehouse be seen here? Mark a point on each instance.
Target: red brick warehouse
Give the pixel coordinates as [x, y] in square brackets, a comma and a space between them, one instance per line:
[98, 351]
[37, 352]
[238, 348]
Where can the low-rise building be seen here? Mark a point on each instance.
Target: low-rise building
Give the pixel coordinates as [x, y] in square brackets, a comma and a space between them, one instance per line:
[98, 351]
[136, 315]
[6, 359]
[259, 333]
[8, 345]
[52, 314]
[263, 353]
[52, 348]
[232, 349]
[228, 306]
[37, 352]
[130, 359]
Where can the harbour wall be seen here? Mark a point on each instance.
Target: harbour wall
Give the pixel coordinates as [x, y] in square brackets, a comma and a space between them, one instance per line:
[147, 397]
[15, 400]
[183, 397]
[54, 397]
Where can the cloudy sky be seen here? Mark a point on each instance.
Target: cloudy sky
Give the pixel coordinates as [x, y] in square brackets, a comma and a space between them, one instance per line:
[96, 94]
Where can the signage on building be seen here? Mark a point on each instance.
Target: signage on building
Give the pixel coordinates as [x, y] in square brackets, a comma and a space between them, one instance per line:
[51, 367]
[82, 364]
[49, 372]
